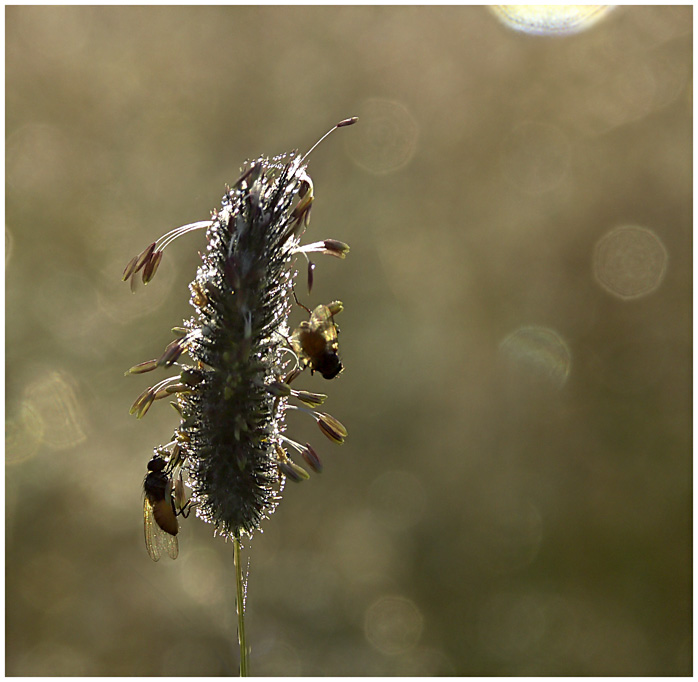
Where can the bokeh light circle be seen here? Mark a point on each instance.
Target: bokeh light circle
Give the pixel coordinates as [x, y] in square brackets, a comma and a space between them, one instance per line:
[540, 352]
[54, 398]
[550, 20]
[629, 261]
[24, 433]
[386, 138]
[393, 625]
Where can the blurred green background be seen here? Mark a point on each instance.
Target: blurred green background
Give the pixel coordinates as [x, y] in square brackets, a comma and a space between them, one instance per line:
[515, 495]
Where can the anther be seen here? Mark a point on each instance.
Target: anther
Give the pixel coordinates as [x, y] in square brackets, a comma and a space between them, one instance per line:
[331, 427]
[312, 459]
[142, 367]
[310, 399]
[293, 472]
[151, 267]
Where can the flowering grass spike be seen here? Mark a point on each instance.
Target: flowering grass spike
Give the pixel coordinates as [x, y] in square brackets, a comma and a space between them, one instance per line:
[233, 396]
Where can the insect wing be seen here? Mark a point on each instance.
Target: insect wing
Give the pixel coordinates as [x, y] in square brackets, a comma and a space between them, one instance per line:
[321, 321]
[182, 505]
[295, 339]
[156, 539]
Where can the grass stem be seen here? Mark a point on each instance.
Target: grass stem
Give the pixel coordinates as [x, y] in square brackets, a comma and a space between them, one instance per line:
[240, 603]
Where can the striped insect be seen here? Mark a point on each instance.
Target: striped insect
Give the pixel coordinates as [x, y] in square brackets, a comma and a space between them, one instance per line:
[163, 502]
[315, 340]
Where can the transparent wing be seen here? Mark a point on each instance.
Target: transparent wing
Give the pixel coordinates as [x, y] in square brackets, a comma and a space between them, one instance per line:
[321, 321]
[150, 528]
[296, 338]
[171, 544]
[156, 539]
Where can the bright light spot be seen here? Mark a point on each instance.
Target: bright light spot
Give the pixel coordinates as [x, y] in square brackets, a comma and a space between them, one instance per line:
[24, 433]
[550, 20]
[58, 414]
[629, 261]
[540, 352]
[535, 157]
[386, 138]
[393, 625]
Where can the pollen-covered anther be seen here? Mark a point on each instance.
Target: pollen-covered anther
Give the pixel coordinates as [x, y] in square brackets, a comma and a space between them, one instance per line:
[293, 471]
[129, 269]
[328, 247]
[310, 399]
[311, 269]
[142, 403]
[145, 399]
[311, 458]
[334, 247]
[331, 427]
[151, 267]
[172, 353]
[137, 262]
[142, 367]
[162, 393]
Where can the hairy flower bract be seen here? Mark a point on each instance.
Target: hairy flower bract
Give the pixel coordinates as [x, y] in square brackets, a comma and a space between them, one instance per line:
[233, 394]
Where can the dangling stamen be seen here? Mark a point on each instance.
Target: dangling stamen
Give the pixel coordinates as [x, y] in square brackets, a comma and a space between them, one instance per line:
[296, 446]
[312, 459]
[310, 399]
[331, 427]
[341, 124]
[149, 259]
[329, 247]
[166, 239]
[288, 467]
[145, 399]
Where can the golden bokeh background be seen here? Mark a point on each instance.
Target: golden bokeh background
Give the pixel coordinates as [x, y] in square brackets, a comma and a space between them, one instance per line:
[515, 494]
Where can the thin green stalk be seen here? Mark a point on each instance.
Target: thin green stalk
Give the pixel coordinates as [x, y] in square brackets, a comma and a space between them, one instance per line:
[240, 602]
